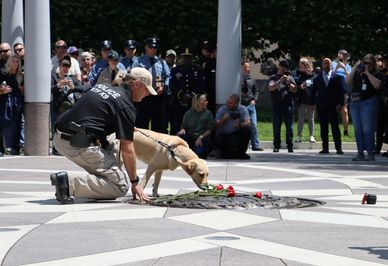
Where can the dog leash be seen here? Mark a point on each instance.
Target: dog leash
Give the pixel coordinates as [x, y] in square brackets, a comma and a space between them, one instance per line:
[165, 145]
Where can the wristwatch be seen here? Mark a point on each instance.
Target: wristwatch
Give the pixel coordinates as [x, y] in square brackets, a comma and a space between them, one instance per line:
[135, 181]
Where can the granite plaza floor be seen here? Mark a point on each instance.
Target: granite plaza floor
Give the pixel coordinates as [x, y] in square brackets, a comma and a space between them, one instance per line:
[36, 230]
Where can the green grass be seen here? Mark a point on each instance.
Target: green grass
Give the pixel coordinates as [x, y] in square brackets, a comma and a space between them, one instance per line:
[266, 132]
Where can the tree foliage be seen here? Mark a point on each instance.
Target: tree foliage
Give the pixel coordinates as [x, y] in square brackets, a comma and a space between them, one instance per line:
[298, 28]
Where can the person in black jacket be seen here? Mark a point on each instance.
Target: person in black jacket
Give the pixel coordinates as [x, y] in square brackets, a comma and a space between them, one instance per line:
[327, 95]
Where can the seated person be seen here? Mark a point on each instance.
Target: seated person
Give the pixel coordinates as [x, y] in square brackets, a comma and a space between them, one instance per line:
[197, 125]
[233, 129]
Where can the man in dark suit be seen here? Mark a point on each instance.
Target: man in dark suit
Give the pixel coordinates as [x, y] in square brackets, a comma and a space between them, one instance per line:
[327, 95]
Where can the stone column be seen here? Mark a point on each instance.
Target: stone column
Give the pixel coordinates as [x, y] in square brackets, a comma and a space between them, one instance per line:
[37, 77]
[228, 49]
[12, 22]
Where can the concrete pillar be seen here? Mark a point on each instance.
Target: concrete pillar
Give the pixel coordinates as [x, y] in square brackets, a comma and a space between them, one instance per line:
[37, 77]
[228, 78]
[12, 22]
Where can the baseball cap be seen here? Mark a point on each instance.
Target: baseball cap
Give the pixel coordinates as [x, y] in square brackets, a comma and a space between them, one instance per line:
[72, 49]
[113, 55]
[142, 74]
[171, 52]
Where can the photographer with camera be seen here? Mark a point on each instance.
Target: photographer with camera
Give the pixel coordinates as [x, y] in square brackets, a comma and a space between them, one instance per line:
[365, 82]
[341, 67]
[66, 90]
[233, 130]
[282, 87]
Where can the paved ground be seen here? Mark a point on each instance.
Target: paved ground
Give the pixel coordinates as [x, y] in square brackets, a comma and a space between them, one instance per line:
[36, 230]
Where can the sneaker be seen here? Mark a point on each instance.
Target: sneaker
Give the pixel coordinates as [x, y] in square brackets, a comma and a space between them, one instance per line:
[324, 152]
[346, 133]
[244, 157]
[276, 150]
[312, 139]
[257, 149]
[298, 139]
[290, 150]
[359, 157]
[340, 152]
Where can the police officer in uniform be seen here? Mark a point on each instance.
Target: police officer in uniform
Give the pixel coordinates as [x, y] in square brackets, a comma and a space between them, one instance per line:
[130, 50]
[95, 134]
[100, 65]
[154, 108]
[186, 80]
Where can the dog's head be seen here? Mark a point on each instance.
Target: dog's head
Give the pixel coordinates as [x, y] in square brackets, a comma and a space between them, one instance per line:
[197, 169]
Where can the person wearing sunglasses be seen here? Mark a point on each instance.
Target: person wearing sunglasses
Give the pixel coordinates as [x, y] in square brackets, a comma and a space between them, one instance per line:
[130, 58]
[5, 53]
[86, 61]
[365, 82]
[60, 52]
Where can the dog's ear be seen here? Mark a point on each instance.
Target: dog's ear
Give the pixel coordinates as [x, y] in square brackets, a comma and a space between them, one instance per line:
[189, 166]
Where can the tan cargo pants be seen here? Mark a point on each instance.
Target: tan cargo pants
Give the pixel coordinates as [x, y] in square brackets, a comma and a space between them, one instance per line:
[105, 180]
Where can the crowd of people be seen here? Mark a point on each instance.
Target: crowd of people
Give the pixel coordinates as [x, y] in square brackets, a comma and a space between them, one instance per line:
[333, 90]
[185, 105]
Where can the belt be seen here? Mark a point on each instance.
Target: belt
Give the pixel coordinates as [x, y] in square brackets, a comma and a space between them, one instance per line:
[64, 135]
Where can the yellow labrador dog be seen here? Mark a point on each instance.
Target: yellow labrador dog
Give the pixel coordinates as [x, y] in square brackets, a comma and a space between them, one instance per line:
[159, 158]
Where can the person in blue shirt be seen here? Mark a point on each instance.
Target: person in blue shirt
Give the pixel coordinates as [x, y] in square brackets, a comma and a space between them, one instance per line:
[153, 109]
[342, 68]
[102, 64]
[130, 50]
[233, 129]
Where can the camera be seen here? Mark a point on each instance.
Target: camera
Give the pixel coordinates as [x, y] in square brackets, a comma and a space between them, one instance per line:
[361, 67]
[235, 115]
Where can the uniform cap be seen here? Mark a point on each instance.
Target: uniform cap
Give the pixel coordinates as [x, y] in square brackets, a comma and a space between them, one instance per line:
[130, 44]
[152, 42]
[171, 52]
[113, 55]
[106, 44]
[142, 74]
[186, 52]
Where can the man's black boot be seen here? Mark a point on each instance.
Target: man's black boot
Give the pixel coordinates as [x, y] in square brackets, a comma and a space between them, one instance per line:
[61, 182]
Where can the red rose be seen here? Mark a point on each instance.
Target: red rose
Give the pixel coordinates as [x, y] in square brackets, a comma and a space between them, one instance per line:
[219, 187]
[258, 195]
[231, 193]
[231, 188]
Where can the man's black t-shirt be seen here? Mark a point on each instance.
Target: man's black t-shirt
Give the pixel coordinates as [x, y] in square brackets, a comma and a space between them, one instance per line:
[104, 109]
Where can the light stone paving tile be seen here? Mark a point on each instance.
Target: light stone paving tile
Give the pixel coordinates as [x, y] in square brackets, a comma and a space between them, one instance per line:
[378, 204]
[363, 209]
[354, 197]
[275, 250]
[333, 218]
[222, 219]
[312, 192]
[108, 215]
[10, 235]
[132, 254]
[354, 183]
[56, 207]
